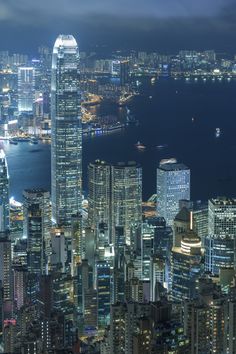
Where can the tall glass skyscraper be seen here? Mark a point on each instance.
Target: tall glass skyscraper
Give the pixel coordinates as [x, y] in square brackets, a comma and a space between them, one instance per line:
[99, 183]
[173, 184]
[26, 89]
[186, 267]
[36, 211]
[66, 150]
[126, 197]
[220, 241]
[4, 193]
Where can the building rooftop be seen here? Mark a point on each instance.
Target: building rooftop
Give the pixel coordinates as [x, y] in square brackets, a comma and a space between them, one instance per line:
[65, 40]
[183, 215]
[172, 167]
[223, 201]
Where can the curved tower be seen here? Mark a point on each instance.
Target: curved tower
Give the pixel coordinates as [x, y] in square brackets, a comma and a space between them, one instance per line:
[66, 149]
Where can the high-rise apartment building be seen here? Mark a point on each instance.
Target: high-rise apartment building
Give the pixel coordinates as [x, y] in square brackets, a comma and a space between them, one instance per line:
[205, 320]
[66, 151]
[26, 89]
[173, 184]
[220, 242]
[4, 193]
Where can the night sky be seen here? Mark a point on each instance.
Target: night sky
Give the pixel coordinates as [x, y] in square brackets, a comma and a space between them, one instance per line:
[161, 25]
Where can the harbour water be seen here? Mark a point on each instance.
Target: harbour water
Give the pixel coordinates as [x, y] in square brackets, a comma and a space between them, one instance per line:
[181, 116]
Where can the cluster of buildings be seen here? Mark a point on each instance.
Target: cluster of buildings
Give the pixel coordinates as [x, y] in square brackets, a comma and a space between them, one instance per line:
[105, 279]
[25, 83]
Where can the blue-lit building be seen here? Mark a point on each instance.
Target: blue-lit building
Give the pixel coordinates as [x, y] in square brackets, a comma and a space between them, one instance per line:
[173, 184]
[36, 211]
[66, 150]
[126, 197]
[103, 284]
[220, 242]
[4, 193]
[186, 267]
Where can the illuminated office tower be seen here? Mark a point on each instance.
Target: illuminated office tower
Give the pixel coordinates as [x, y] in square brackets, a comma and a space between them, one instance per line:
[66, 150]
[36, 210]
[26, 89]
[186, 267]
[4, 193]
[220, 242]
[147, 241]
[124, 72]
[20, 281]
[157, 275]
[173, 184]
[103, 285]
[78, 241]
[126, 198]
[99, 187]
[5, 266]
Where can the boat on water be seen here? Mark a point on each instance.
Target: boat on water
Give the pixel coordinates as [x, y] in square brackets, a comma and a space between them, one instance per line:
[153, 80]
[140, 146]
[33, 141]
[13, 142]
[21, 139]
[160, 147]
[217, 132]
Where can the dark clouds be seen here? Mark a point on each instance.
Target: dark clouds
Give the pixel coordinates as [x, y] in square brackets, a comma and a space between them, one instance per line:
[164, 25]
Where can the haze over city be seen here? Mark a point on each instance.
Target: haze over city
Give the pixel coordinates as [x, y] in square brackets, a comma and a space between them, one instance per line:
[166, 26]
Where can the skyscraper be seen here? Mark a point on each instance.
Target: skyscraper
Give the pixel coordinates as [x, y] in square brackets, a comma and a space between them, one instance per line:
[66, 150]
[220, 241]
[99, 185]
[186, 267]
[36, 209]
[5, 266]
[173, 184]
[124, 72]
[26, 89]
[126, 197]
[4, 193]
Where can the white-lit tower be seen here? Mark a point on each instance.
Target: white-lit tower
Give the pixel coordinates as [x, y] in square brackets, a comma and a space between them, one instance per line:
[66, 150]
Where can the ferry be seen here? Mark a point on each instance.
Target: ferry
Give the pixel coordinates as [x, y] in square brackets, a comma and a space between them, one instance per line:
[21, 139]
[33, 141]
[160, 147]
[217, 132]
[153, 80]
[140, 146]
[13, 142]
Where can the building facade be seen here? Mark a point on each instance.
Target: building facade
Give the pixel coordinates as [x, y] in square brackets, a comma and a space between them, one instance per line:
[173, 184]
[220, 242]
[37, 222]
[4, 193]
[66, 150]
[126, 198]
[26, 89]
